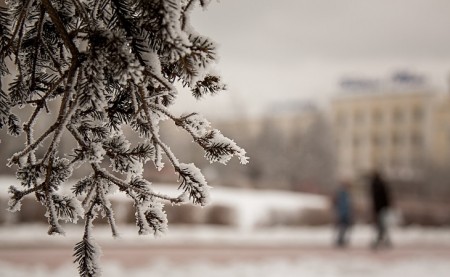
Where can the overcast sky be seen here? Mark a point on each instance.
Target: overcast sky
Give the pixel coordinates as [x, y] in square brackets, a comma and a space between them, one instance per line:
[274, 51]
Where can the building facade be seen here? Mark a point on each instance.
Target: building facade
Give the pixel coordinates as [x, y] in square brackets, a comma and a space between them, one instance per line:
[398, 132]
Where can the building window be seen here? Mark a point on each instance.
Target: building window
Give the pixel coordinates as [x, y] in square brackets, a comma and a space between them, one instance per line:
[356, 141]
[416, 139]
[398, 115]
[418, 114]
[397, 139]
[359, 117]
[394, 161]
[377, 116]
[376, 140]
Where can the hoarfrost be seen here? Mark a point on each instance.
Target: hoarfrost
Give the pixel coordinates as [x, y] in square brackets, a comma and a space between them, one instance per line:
[97, 152]
[194, 183]
[152, 60]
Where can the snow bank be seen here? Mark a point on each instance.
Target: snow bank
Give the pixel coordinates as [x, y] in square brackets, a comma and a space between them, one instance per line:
[251, 207]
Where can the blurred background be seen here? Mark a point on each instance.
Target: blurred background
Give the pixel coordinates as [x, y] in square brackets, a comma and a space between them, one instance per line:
[318, 92]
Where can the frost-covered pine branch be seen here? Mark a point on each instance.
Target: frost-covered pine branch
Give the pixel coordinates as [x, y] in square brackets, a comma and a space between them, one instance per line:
[105, 64]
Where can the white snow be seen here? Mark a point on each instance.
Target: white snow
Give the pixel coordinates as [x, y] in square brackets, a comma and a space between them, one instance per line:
[196, 182]
[361, 237]
[310, 267]
[196, 124]
[252, 207]
[97, 152]
[152, 60]
[218, 138]
[310, 264]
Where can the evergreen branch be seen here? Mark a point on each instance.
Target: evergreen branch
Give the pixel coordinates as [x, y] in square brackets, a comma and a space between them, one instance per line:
[109, 63]
[96, 9]
[189, 6]
[20, 30]
[13, 125]
[18, 195]
[15, 158]
[210, 84]
[87, 252]
[40, 104]
[80, 187]
[53, 13]
[177, 121]
[52, 177]
[65, 113]
[55, 227]
[60, 123]
[163, 111]
[62, 117]
[55, 62]
[124, 186]
[135, 103]
[121, 184]
[150, 218]
[90, 195]
[161, 80]
[19, 25]
[27, 128]
[193, 183]
[140, 217]
[106, 204]
[79, 6]
[218, 148]
[165, 148]
[184, 21]
[36, 47]
[67, 208]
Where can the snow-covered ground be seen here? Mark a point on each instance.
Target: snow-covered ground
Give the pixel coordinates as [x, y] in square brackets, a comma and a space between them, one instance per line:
[361, 236]
[311, 266]
[310, 251]
[418, 252]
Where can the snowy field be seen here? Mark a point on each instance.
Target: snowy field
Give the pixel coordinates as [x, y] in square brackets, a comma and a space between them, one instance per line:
[36, 235]
[313, 266]
[276, 252]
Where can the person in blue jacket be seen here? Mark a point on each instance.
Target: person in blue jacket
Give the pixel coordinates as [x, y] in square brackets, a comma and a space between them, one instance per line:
[344, 213]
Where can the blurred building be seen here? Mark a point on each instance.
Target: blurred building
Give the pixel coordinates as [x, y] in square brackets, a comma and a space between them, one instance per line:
[285, 117]
[399, 126]
[440, 147]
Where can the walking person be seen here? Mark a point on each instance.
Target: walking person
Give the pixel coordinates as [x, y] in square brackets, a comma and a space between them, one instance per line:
[381, 202]
[344, 213]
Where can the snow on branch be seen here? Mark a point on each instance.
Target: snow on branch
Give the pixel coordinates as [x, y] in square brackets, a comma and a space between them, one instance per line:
[99, 66]
[193, 183]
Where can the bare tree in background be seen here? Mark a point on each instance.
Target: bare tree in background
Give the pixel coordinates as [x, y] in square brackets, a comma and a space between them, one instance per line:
[300, 158]
[268, 149]
[312, 157]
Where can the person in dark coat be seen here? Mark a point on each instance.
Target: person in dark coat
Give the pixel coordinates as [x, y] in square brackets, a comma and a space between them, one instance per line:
[344, 214]
[381, 202]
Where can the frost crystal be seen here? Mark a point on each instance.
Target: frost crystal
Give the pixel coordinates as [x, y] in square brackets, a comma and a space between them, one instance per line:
[101, 67]
[194, 183]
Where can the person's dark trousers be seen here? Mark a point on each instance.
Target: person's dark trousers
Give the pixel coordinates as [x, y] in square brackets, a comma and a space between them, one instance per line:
[382, 236]
[342, 234]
